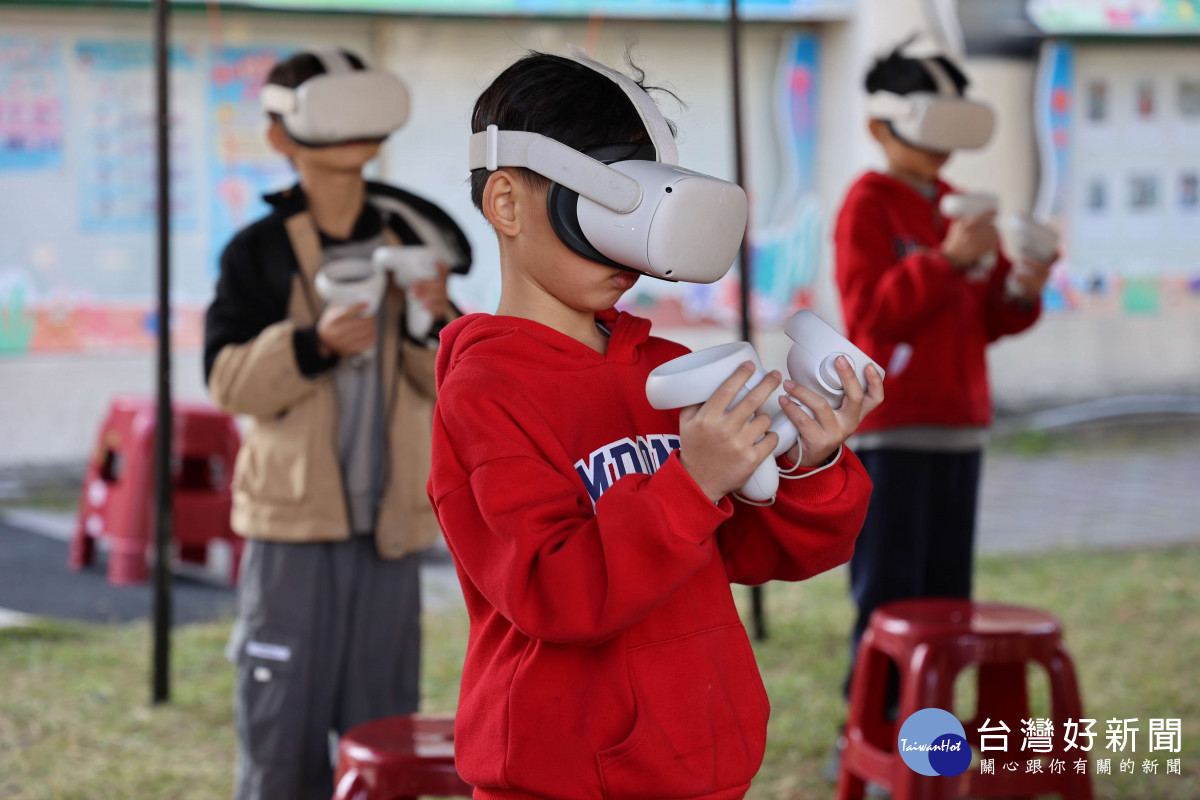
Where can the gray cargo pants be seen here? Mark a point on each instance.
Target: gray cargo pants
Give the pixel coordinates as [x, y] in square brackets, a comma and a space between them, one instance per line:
[328, 636]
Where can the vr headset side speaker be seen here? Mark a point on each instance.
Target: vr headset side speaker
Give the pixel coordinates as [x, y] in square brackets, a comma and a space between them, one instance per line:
[629, 205]
[340, 106]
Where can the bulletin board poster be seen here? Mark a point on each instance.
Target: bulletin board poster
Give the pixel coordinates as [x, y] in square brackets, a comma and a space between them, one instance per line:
[1121, 176]
[118, 166]
[242, 165]
[772, 10]
[1109, 17]
[32, 92]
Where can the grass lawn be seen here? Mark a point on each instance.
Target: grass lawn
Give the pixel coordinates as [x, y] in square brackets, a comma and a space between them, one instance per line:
[75, 721]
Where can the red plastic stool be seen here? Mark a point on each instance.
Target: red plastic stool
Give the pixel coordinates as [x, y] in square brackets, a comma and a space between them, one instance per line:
[931, 641]
[118, 489]
[399, 758]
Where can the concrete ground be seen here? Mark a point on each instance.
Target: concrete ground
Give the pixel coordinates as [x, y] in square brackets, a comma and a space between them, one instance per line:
[1102, 487]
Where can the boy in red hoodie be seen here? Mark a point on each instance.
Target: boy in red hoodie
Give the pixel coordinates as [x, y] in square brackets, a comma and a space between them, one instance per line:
[594, 537]
[918, 297]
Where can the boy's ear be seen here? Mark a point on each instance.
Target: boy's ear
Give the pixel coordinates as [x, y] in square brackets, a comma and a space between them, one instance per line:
[279, 140]
[502, 196]
[880, 131]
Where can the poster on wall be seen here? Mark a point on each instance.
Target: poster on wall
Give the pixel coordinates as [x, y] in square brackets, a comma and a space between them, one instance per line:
[777, 10]
[242, 165]
[117, 171]
[1121, 178]
[1137, 17]
[32, 89]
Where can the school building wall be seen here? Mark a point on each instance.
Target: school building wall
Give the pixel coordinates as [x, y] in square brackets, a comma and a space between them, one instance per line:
[53, 398]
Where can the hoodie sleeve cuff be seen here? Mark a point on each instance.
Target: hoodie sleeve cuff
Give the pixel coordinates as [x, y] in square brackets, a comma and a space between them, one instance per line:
[692, 515]
[308, 353]
[819, 483]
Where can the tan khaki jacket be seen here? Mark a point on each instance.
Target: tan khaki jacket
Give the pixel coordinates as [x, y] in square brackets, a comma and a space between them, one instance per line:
[287, 483]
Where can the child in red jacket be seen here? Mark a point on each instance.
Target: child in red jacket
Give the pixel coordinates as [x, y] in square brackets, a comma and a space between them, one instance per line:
[919, 298]
[594, 536]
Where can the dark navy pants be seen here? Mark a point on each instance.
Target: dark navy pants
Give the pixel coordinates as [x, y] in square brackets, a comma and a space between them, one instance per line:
[919, 535]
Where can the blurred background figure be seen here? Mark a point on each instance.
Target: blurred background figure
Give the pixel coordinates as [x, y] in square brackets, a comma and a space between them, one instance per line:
[328, 632]
[924, 294]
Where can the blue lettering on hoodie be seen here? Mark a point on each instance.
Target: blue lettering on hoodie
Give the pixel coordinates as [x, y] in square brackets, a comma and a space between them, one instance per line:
[606, 465]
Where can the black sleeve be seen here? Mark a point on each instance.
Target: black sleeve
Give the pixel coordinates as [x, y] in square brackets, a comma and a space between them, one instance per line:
[246, 302]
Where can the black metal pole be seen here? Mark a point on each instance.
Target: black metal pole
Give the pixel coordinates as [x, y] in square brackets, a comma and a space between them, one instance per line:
[162, 488]
[735, 77]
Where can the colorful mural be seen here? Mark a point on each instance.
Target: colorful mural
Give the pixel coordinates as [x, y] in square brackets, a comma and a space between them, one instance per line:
[1139, 17]
[1121, 179]
[32, 84]
[786, 231]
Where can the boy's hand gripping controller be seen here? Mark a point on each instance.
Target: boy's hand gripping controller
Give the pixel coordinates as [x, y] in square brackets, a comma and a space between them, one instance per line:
[693, 378]
[811, 363]
[409, 265]
[965, 206]
[348, 282]
[1027, 240]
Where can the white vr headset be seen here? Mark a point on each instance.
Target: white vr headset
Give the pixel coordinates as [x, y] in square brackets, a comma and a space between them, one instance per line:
[341, 105]
[939, 121]
[627, 205]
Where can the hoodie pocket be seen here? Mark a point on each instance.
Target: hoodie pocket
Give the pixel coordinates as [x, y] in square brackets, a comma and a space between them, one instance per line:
[701, 719]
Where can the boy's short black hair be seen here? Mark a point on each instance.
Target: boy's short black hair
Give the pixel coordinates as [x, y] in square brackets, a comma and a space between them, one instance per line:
[561, 99]
[901, 74]
[299, 67]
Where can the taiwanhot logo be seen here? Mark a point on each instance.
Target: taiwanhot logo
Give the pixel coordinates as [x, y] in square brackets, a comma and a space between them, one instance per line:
[933, 742]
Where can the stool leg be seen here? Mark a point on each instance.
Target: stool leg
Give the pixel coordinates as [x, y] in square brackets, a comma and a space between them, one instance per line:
[1002, 693]
[127, 562]
[867, 688]
[193, 553]
[239, 544]
[1066, 703]
[850, 786]
[82, 551]
[925, 683]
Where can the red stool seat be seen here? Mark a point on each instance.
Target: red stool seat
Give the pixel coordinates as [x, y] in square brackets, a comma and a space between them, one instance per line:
[931, 641]
[399, 758]
[117, 499]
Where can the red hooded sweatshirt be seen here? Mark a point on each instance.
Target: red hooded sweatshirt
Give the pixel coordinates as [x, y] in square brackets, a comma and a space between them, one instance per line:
[911, 310]
[606, 658]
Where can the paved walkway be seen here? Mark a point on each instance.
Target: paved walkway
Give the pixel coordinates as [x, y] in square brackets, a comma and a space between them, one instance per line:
[1128, 487]
[1104, 488]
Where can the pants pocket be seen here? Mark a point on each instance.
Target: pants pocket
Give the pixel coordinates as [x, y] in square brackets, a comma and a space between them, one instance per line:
[701, 719]
[271, 700]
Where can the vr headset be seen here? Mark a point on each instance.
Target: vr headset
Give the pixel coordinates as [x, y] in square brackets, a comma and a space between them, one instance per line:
[340, 106]
[625, 205]
[939, 121]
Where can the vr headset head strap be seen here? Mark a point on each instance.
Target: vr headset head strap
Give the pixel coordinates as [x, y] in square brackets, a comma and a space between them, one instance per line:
[494, 148]
[278, 99]
[334, 61]
[941, 78]
[653, 120]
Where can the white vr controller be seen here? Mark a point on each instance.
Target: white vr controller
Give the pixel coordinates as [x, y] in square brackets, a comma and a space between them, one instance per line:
[693, 378]
[1025, 238]
[350, 281]
[409, 265]
[965, 206]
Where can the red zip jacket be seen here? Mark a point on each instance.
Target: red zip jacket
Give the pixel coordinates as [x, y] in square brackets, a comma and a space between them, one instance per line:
[911, 310]
[606, 658]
